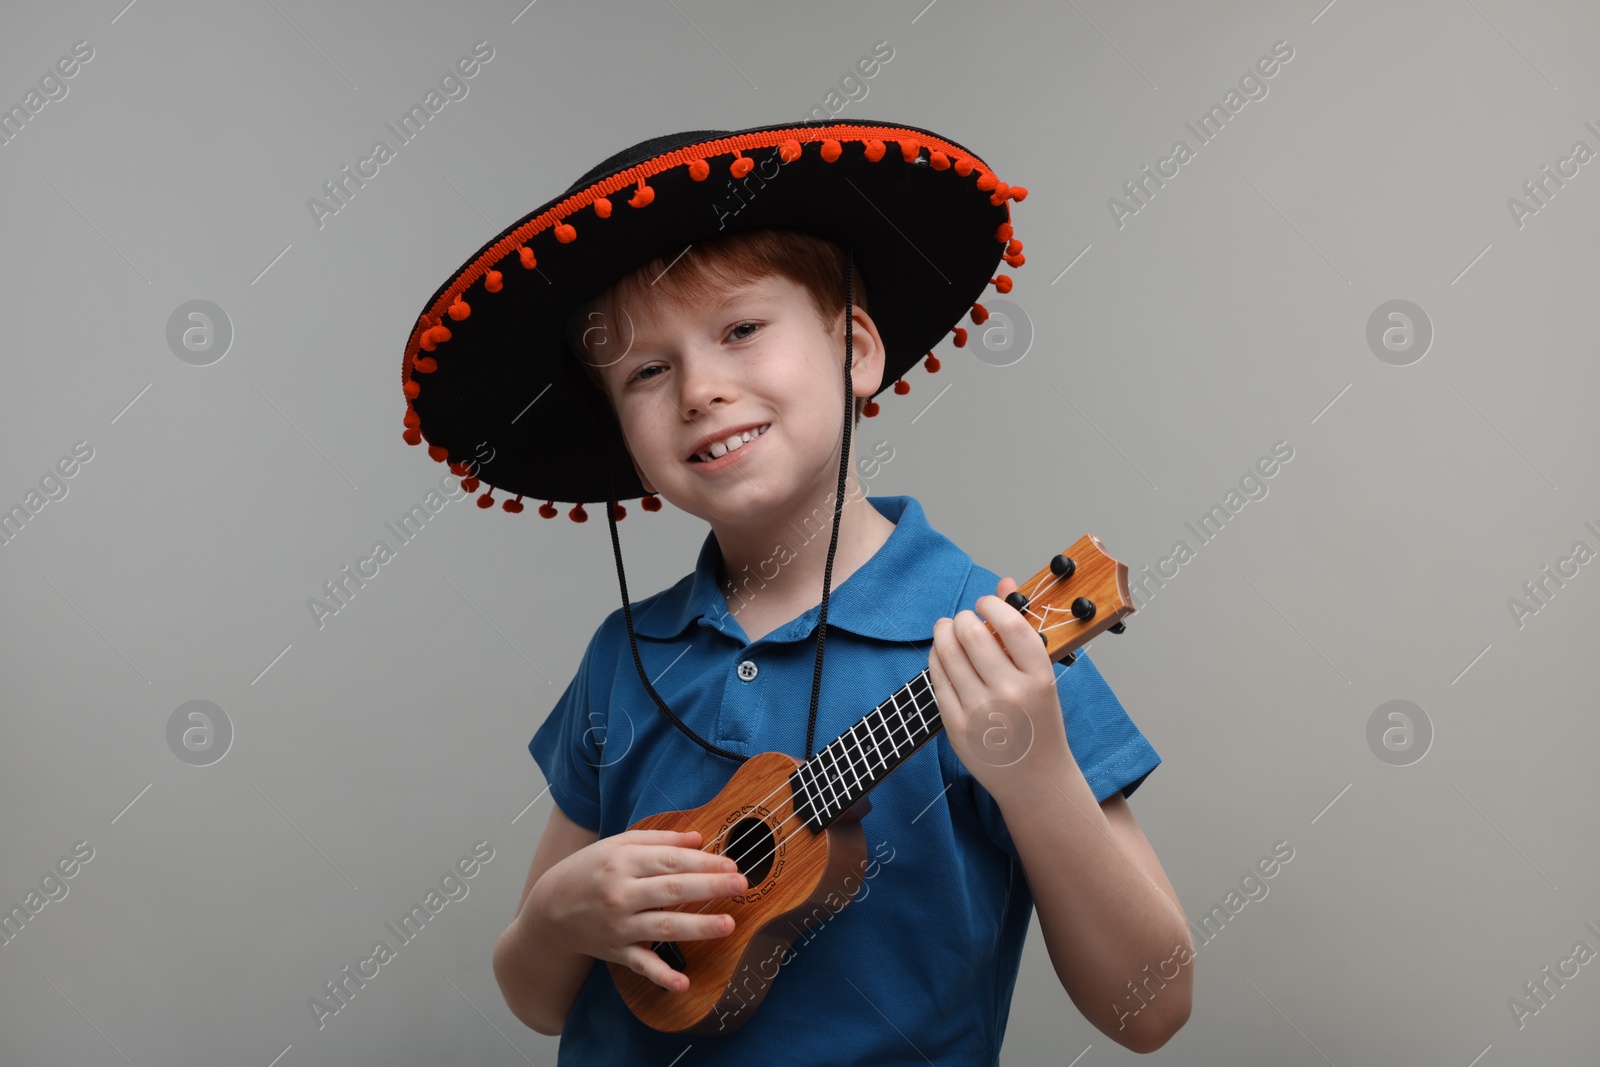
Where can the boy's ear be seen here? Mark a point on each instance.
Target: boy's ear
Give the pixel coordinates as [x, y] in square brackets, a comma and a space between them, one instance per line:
[866, 368]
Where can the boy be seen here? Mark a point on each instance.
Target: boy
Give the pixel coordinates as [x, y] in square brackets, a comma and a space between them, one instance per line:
[717, 366]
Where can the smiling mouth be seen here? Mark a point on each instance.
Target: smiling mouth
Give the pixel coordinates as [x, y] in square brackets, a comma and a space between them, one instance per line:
[733, 443]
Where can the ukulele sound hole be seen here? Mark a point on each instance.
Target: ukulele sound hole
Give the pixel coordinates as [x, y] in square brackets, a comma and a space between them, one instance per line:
[671, 955]
[750, 846]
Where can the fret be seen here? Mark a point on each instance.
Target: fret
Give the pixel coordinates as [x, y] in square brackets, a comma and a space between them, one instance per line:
[841, 792]
[900, 711]
[855, 755]
[813, 789]
[826, 780]
[888, 730]
[877, 743]
[806, 776]
[843, 771]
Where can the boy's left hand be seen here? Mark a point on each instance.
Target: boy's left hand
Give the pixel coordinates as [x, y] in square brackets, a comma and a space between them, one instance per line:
[999, 704]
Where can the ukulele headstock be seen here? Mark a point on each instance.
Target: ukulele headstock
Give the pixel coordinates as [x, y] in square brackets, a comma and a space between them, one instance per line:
[1079, 594]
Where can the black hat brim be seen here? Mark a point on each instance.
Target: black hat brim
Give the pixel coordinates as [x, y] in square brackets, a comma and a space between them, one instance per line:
[505, 385]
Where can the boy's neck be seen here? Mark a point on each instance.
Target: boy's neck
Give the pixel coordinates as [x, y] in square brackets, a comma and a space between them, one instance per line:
[772, 575]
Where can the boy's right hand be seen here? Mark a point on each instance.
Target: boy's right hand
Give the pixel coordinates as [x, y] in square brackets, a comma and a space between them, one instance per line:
[611, 899]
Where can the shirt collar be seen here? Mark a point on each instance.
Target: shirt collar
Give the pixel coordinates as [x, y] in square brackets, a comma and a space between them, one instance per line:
[912, 580]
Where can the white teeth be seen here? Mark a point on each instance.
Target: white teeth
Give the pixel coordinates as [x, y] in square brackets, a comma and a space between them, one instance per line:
[733, 443]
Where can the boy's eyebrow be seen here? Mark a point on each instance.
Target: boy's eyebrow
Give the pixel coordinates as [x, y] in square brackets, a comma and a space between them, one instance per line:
[740, 291]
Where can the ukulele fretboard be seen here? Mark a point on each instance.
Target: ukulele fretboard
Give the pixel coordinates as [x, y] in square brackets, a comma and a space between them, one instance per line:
[849, 766]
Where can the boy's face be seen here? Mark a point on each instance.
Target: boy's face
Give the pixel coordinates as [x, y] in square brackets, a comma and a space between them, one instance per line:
[755, 357]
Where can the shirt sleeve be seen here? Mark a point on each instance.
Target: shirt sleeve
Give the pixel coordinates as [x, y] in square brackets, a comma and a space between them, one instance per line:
[1111, 752]
[566, 746]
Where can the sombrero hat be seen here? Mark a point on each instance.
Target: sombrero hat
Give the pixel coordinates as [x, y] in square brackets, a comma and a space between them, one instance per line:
[487, 361]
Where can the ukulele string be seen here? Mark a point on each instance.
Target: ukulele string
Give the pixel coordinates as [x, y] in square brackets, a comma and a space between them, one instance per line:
[1027, 611]
[795, 813]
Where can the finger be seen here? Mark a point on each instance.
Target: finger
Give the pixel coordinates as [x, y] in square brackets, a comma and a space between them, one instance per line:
[667, 859]
[642, 960]
[1005, 588]
[680, 838]
[989, 660]
[957, 667]
[668, 925]
[1017, 633]
[944, 693]
[666, 890]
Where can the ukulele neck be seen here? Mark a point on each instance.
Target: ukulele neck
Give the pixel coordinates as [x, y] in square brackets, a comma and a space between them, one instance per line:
[852, 764]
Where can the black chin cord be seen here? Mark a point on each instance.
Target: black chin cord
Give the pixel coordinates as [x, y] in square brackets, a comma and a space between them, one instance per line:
[827, 571]
[838, 499]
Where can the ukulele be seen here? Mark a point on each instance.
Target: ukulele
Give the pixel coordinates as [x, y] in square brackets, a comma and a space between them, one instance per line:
[793, 827]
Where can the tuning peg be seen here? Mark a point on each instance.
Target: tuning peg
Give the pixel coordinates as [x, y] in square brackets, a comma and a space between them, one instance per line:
[1043, 638]
[1083, 608]
[1117, 629]
[1062, 566]
[1069, 659]
[1017, 600]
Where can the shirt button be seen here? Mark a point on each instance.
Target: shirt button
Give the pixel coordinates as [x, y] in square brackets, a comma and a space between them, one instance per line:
[747, 670]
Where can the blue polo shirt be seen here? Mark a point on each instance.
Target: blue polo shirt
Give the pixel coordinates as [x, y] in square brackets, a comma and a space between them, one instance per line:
[921, 965]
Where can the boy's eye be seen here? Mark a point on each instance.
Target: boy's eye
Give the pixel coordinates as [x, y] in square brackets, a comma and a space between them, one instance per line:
[734, 333]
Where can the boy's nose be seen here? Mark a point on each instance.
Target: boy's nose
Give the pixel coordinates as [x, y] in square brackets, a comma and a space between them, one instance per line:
[701, 383]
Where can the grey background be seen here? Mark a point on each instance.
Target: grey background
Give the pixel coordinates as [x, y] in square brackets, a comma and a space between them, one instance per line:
[1230, 313]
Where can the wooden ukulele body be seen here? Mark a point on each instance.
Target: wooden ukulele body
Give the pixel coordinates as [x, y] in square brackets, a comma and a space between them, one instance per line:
[792, 872]
[797, 865]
